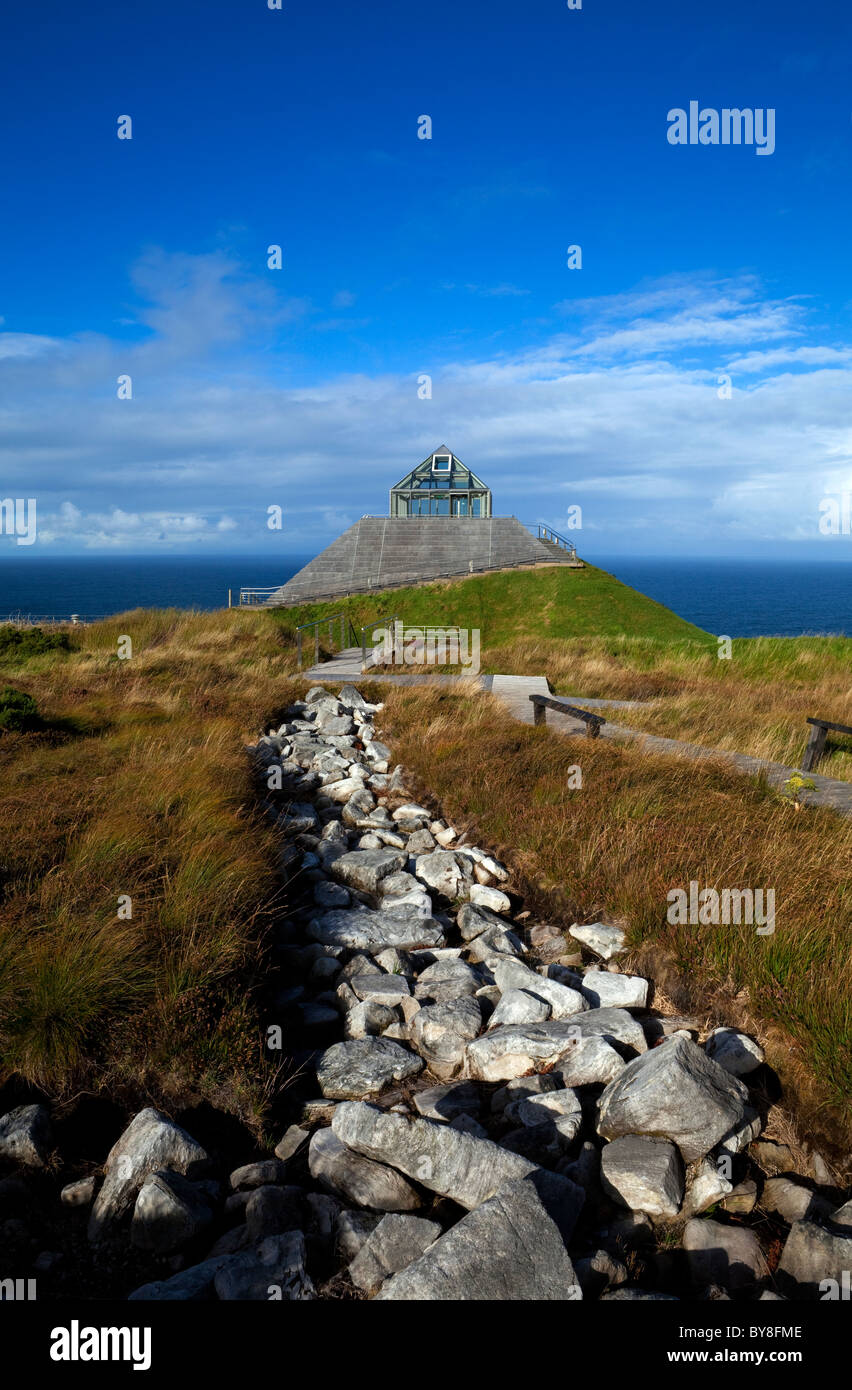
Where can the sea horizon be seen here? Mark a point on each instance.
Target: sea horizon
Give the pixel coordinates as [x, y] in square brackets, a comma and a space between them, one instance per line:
[725, 595]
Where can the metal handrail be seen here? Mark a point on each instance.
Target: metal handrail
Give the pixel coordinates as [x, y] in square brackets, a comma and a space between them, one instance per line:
[545, 532]
[386, 619]
[316, 625]
[254, 594]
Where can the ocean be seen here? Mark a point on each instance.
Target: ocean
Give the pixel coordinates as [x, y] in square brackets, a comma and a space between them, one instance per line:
[736, 598]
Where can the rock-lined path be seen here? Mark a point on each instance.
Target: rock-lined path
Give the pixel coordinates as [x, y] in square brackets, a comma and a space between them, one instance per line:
[491, 1107]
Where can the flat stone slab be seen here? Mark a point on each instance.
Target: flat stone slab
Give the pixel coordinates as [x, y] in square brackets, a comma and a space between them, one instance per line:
[457, 1165]
[363, 930]
[365, 868]
[364, 1067]
[509, 1249]
[357, 1179]
[604, 940]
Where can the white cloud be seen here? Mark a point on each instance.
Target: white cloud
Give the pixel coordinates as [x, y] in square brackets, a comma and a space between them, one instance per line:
[620, 414]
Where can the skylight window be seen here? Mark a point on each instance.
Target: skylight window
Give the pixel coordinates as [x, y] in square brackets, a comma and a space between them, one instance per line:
[441, 463]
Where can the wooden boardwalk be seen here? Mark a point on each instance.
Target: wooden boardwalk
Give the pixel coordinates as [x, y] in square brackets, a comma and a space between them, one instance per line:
[514, 693]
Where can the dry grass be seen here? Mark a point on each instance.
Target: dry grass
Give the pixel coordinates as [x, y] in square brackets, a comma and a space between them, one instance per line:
[139, 786]
[757, 702]
[640, 826]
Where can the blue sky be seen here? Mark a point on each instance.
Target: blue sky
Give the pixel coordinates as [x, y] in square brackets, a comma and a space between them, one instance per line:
[596, 387]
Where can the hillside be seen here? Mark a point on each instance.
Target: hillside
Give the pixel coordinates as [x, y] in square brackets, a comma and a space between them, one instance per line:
[551, 602]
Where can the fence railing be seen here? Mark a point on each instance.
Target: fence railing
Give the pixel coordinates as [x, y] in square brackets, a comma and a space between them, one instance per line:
[345, 629]
[371, 627]
[544, 532]
[52, 619]
[252, 595]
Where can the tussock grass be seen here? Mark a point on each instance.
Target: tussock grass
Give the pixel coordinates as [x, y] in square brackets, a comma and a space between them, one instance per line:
[138, 787]
[640, 826]
[756, 702]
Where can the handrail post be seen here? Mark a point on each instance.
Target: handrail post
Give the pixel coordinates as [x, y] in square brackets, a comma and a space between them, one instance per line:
[316, 644]
[299, 645]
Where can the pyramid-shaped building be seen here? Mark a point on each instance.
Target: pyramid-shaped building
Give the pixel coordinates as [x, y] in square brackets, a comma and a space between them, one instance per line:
[439, 524]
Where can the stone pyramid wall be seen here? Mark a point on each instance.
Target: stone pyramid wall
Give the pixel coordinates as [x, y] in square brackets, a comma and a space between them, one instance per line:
[380, 552]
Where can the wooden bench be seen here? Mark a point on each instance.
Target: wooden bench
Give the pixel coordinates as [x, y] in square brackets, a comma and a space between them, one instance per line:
[542, 703]
[817, 741]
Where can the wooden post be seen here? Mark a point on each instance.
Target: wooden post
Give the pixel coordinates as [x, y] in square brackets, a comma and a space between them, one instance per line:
[316, 644]
[815, 748]
[299, 646]
[229, 598]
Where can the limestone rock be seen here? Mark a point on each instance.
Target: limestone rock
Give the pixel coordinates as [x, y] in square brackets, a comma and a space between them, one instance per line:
[811, 1257]
[441, 1033]
[492, 898]
[674, 1092]
[606, 990]
[447, 1101]
[357, 1179]
[726, 1255]
[361, 929]
[456, 1165]
[736, 1052]
[510, 1249]
[518, 1048]
[564, 1002]
[25, 1135]
[169, 1211]
[352, 1070]
[392, 1246]
[150, 1142]
[365, 868]
[519, 1006]
[643, 1174]
[277, 1263]
[603, 940]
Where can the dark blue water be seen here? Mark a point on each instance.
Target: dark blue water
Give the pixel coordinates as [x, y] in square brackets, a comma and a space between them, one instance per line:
[743, 598]
[731, 597]
[98, 585]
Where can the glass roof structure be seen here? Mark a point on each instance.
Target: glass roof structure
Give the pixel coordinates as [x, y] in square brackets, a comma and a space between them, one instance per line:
[440, 486]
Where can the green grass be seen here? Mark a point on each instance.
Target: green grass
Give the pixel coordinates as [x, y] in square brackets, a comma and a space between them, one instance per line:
[553, 602]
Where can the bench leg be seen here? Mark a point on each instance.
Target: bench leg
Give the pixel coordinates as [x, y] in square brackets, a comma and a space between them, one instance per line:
[815, 748]
[593, 730]
[539, 714]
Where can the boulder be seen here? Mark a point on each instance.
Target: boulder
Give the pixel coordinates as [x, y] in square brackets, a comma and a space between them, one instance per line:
[446, 980]
[441, 1033]
[492, 898]
[357, 1179]
[25, 1135]
[448, 1101]
[564, 1002]
[353, 1229]
[456, 1165]
[392, 1246]
[170, 1211]
[275, 1268]
[442, 873]
[556, 1113]
[364, 869]
[606, 990]
[675, 1092]
[603, 940]
[815, 1263]
[794, 1199]
[643, 1174]
[364, 1067]
[519, 1006]
[594, 1062]
[707, 1185]
[361, 929]
[518, 1048]
[150, 1143]
[474, 918]
[736, 1052]
[259, 1174]
[495, 943]
[510, 1249]
[726, 1255]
